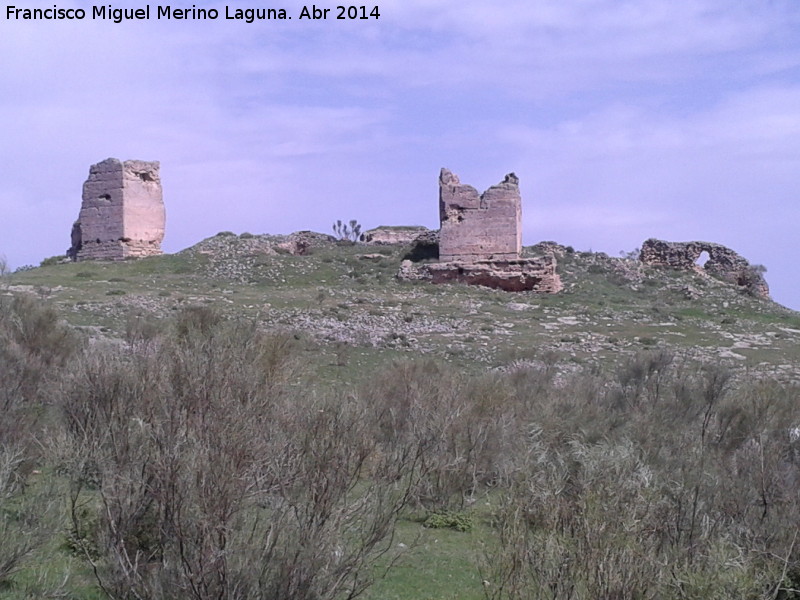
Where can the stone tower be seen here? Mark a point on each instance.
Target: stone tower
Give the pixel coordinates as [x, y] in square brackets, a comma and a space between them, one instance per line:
[122, 213]
[479, 226]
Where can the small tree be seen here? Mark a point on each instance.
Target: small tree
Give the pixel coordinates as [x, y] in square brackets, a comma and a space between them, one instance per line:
[348, 231]
[4, 271]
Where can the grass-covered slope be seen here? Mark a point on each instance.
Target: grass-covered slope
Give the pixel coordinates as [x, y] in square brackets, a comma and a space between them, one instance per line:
[235, 421]
[347, 295]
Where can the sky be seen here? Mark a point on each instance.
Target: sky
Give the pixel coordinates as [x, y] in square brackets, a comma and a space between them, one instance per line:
[623, 119]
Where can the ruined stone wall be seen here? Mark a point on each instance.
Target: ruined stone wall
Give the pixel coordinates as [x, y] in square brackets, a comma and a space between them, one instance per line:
[122, 213]
[479, 226]
[722, 262]
[517, 275]
[393, 235]
[480, 241]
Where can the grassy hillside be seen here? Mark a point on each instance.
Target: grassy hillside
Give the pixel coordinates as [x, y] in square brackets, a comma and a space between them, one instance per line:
[338, 295]
[234, 421]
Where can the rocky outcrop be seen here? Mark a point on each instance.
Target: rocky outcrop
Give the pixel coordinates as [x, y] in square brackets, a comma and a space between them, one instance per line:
[517, 275]
[386, 235]
[479, 226]
[722, 262]
[302, 243]
[122, 212]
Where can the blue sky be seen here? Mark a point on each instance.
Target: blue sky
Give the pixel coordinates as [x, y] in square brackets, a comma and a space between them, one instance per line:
[623, 119]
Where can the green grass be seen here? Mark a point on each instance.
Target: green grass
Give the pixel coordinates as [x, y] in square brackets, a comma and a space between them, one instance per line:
[434, 564]
[334, 296]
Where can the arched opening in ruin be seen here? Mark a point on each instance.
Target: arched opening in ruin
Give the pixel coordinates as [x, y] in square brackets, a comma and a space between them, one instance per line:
[702, 259]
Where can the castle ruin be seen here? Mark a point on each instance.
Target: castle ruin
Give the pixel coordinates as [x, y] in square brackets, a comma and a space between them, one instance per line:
[122, 212]
[480, 241]
[723, 263]
[476, 226]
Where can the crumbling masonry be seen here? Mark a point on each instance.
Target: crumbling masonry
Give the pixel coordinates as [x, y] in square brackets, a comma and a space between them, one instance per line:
[122, 213]
[481, 238]
[476, 226]
[722, 262]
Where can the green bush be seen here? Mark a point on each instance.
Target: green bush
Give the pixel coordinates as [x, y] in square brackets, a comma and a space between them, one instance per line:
[52, 260]
[460, 521]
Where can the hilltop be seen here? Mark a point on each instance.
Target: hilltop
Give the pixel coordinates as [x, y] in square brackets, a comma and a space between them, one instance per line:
[346, 297]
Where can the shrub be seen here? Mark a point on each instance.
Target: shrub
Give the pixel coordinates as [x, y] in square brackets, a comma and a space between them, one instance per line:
[35, 348]
[657, 498]
[459, 520]
[218, 478]
[53, 260]
[348, 232]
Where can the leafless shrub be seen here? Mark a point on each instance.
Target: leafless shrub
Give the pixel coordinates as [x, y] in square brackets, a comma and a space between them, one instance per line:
[348, 232]
[27, 513]
[208, 465]
[141, 328]
[34, 347]
[691, 495]
[466, 428]
[216, 478]
[4, 271]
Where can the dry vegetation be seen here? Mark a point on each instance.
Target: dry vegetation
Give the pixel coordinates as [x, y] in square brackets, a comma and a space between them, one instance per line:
[203, 458]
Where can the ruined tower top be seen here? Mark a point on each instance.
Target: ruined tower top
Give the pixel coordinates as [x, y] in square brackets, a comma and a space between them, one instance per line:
[479, 226]
[122, 213]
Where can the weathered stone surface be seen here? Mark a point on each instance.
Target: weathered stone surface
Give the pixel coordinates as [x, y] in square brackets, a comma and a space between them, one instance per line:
[479, 226]
[424, 247]
[412, 272]
[517, 275]
[480, 241]
[722, 262]
[385, 235]
[553, 248]
[301, 243]
[122, 213]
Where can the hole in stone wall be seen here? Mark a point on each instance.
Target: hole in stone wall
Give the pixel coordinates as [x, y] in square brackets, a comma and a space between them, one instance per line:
[144, 176]
[105, 197]
[702, 259]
